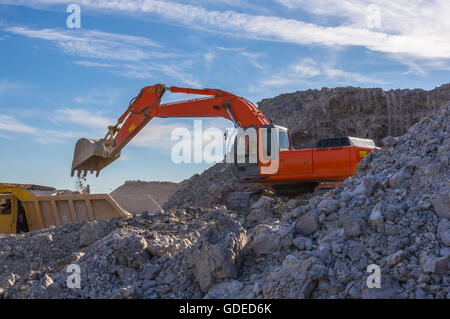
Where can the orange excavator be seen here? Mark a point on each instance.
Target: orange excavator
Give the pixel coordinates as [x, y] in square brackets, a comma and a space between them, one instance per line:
[262, 151]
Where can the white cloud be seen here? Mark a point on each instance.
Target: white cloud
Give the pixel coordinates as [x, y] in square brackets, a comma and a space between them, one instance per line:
[92, 36]
[230, 49]
[412, 32]
[100, 96]
[83, 118]
[92, 43]
[122, 52]
[414, 27]
[209, 57]
[443, 65]
[346, 77]
[95, 64]
[44, 136]
[11, 124]
[147, 70]
[396, 17]
[95, 124]
[151, 70]
[307, 70]
[6, 137]
[296, 73]
[58, 136]
[409, 27]
[253, 59]
[64, 134]
[8, 87]
[124, 157]
[157, 134]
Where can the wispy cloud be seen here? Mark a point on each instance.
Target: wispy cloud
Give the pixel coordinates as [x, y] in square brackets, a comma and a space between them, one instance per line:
[88, 36]
[14, 126]
[58, 136]
[83, 118]
[72, 124]
[303, 69]
[11, 124]
[407, 28]
[345, 77]
[230, 49]
[124, 55]
[6, 137]
[100, 96]
[150, 70]
[95, 64]
[92, 43]
[209, 57]
[443, 65]
[307, 70]
[253, 58]
[10, 87]
[157, 134]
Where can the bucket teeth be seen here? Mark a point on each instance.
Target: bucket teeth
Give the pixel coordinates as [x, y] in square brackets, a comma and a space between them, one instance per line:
[91, 156]
[84, 172]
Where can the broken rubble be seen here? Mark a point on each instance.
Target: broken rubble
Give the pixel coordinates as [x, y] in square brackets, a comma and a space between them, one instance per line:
[317, 245]
[307, 224]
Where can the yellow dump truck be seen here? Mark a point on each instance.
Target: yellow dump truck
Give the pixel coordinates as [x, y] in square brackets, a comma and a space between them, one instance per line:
[33, 207]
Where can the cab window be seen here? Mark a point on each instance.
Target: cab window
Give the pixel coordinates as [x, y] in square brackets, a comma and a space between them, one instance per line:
[5, 207]
[284, 140]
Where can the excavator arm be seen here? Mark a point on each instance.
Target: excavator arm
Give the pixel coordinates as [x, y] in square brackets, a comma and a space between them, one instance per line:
[93, 155]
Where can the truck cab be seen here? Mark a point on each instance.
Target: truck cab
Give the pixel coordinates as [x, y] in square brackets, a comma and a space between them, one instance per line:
[8, 214]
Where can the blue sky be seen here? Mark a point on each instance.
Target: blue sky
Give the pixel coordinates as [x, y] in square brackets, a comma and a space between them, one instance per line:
[59, 84]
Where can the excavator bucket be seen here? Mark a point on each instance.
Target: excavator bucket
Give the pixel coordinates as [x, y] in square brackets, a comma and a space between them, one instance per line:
[91, 156]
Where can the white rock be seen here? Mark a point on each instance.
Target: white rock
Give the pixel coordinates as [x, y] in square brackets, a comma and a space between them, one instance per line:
[376, 217]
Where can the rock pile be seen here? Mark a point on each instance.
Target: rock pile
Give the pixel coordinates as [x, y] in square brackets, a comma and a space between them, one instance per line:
[393, 214]
[174, 254]
[139, 196]
[210, 188]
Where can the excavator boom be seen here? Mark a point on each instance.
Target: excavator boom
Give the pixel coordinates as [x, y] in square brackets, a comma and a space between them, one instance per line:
[93, 155]
[333, 159]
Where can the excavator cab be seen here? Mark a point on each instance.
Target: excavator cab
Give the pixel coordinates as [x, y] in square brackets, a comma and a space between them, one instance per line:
[270, 139]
